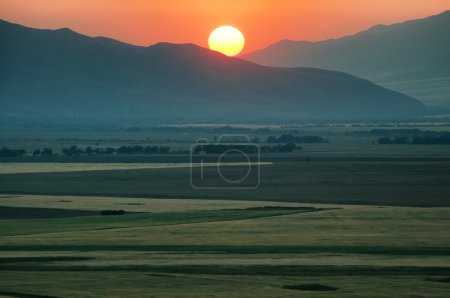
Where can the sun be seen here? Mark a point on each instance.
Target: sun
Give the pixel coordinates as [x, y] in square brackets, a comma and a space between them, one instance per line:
[227, 40]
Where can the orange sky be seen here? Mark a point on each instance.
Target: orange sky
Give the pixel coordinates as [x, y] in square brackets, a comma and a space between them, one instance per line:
[179, 21]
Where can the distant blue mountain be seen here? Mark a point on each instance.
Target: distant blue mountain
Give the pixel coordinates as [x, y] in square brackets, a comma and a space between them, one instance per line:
[62, 75]
[411, 57]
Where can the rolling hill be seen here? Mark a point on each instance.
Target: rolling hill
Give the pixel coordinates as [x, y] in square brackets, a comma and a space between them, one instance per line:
[411, 57]
[60, 75]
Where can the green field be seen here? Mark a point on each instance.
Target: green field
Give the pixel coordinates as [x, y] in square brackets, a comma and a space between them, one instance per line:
[216, 252]
[395, 182]
[344, 219]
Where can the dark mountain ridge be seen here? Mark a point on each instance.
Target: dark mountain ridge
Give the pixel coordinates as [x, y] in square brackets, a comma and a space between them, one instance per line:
[63, 75]
[411, 57]
[413, 49]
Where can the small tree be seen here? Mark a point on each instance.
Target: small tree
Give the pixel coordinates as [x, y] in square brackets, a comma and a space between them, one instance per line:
[47, 152]
[89, 150]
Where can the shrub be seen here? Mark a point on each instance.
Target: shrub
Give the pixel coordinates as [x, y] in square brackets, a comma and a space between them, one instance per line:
[112, 212]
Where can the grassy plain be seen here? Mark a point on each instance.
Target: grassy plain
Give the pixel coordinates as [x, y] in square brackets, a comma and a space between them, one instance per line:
[345, 219]
[230, 252]
[394, 182]
[128, 204]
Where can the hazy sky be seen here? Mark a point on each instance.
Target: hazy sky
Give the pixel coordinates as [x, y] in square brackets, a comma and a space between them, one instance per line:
[179, 21]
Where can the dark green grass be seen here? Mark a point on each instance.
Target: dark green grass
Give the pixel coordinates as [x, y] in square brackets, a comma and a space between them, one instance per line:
[442, 280]
[9, 260]
[24, 295]
[241, 249]
[310, 287]
[10, 227]
[275, 270]
[396, 183]
[28, 212]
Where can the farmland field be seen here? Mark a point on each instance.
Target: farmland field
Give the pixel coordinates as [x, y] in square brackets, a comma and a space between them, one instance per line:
[256, 249]
[349, 181]
[346, 219]
[300, 149]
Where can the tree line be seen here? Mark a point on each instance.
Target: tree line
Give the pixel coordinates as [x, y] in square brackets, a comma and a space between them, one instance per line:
[7, 152]
[425, 140]
[74, 150]
[284, 143]
[250, 148]
[288, 138]
[135, 149]
[282, 148]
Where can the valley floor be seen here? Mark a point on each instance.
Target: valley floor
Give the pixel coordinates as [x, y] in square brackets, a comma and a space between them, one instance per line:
[349, 218]
[201, 248]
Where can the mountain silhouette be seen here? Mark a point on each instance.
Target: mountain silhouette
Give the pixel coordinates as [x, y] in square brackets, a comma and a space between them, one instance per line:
[59, 74]
[410, 57]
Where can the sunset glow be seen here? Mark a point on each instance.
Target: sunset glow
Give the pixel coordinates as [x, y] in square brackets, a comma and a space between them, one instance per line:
[264, 22]
[226, 40]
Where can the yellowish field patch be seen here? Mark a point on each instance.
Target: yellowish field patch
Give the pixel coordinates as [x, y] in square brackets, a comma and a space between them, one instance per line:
[143, 284]
[128, 204]
[348, 226]
[17, 168]
[120, 258]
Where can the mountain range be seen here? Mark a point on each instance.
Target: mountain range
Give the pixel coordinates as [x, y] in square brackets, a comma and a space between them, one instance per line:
[411, 57]
[61, 75]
